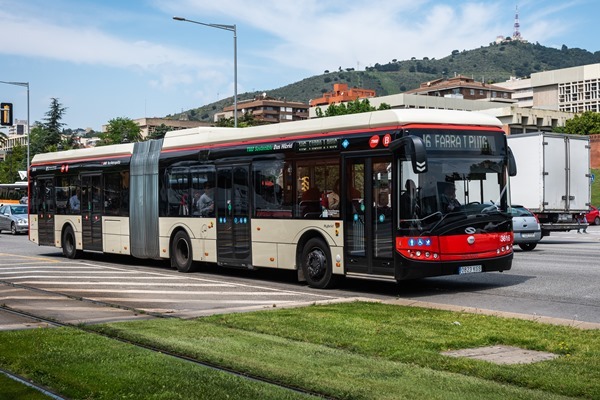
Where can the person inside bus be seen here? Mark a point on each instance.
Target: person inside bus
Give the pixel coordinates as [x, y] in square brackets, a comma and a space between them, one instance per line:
[206, 203]
[74, 201]
[310, 205]
[196, 203]
[449, 202]
[408, 200]
[333, 198]
[383, 208]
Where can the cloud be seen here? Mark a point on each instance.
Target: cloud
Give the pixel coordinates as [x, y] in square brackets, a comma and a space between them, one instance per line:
[79, 44]
[336, 33]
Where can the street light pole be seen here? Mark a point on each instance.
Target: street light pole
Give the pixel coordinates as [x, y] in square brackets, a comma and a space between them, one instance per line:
[231, 28]
[24, 84]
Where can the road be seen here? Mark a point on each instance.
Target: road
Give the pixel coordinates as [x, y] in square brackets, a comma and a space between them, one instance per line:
[558, 279]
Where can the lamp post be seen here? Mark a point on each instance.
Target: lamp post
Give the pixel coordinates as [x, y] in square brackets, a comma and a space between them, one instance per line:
[24, 84]
[231, 28]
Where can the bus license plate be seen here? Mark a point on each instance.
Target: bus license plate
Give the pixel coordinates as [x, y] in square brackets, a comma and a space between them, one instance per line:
[471, 269]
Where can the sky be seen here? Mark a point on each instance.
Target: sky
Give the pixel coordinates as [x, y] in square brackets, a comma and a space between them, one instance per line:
[106, 59]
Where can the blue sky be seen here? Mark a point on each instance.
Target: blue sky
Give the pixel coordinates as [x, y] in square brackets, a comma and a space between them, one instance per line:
[105, 59]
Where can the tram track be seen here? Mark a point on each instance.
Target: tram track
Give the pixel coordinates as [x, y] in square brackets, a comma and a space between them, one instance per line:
[81, 327]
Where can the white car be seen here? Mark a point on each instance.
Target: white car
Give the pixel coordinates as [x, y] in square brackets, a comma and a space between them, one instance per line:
[526, 228]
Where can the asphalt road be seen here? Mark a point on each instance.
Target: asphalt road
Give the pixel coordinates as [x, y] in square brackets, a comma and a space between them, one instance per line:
[559, 279]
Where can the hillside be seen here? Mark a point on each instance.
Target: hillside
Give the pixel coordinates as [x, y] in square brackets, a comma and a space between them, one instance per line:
[494, 63]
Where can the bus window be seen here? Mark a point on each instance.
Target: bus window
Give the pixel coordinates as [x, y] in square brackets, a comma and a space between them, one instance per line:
[115, 193]
[316, 181]
[178, 191]
[270, 183]
[203, 183]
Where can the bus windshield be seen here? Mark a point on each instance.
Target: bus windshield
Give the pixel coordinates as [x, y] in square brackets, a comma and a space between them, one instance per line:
[453, 187]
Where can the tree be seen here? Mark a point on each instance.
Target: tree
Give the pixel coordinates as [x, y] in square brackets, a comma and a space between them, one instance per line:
[588, 123]
[244, 121]
[159, 132]
[52, 124]
[14, 161]
[45, 136]
[120, 130]
[354, 107]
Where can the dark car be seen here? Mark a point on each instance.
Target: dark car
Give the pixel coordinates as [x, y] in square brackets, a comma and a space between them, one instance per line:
[13, 218]
[526, 228]
[592, 216]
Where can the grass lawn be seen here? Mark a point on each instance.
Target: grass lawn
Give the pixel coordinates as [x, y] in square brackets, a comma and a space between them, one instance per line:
[355, 350]
[11, 389]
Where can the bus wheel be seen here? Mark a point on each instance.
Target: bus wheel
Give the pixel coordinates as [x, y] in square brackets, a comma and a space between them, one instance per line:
[181, 252]
[69, 249]
[316, 264]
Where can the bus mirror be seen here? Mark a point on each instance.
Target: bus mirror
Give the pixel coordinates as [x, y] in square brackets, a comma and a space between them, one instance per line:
[512, 163]
[415, 149]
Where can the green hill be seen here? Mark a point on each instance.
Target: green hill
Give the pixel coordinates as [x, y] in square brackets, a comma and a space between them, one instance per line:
[494, 63]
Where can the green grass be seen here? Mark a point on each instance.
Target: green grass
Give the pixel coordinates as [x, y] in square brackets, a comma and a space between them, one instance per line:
[356, 350]
[80, 365]
[11, 389]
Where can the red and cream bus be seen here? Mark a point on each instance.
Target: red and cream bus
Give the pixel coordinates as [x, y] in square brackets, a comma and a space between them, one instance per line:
[367, 195]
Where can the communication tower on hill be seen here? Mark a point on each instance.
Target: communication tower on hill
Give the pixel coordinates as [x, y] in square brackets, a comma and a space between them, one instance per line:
[516, 33]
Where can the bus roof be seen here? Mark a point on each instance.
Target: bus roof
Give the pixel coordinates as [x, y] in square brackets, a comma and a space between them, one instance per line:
[91, 152]
[207, 136]
[370, 120]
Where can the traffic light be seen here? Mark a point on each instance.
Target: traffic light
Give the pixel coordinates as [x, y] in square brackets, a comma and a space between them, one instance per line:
[6, 114]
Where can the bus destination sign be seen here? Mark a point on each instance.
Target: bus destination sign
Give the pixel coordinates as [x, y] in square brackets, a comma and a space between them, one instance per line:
[318, 145]
[269, 147]
[462, 141]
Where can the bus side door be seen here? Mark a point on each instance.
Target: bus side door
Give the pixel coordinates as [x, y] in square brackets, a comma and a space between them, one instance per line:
[45, 204]
[91, 211]
[233, 216]
[368, 216]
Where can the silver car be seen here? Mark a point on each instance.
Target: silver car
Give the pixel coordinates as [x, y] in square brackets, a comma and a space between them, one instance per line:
[526, 228]
[13, 218]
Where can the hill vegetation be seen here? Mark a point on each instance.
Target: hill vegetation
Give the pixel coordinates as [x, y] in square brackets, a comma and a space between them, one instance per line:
[490, 64]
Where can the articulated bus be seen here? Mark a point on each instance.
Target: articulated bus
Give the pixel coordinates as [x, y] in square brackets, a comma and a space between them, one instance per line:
[363, 195]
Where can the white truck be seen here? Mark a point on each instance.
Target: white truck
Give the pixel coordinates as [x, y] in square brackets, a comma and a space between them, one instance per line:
[553, 177]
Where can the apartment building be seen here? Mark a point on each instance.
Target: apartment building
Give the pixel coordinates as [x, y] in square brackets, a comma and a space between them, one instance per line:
[464, 88]
[341, 93]
[268, 109]
[574, 90]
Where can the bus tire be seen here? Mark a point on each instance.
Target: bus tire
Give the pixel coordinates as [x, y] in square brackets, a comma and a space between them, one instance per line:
[316, 264]
[69, 249]
[181, 252]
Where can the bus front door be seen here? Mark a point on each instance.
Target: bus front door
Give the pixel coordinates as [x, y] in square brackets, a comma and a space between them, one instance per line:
[368, 216]
[233, 216]
[91, 212]
[46, 209]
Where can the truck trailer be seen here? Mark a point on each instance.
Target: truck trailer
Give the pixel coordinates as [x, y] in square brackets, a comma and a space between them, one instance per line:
[553, 178]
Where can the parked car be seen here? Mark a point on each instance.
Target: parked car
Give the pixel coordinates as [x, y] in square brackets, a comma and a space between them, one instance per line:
[14, 218]
[526, 228]
[592, 216]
